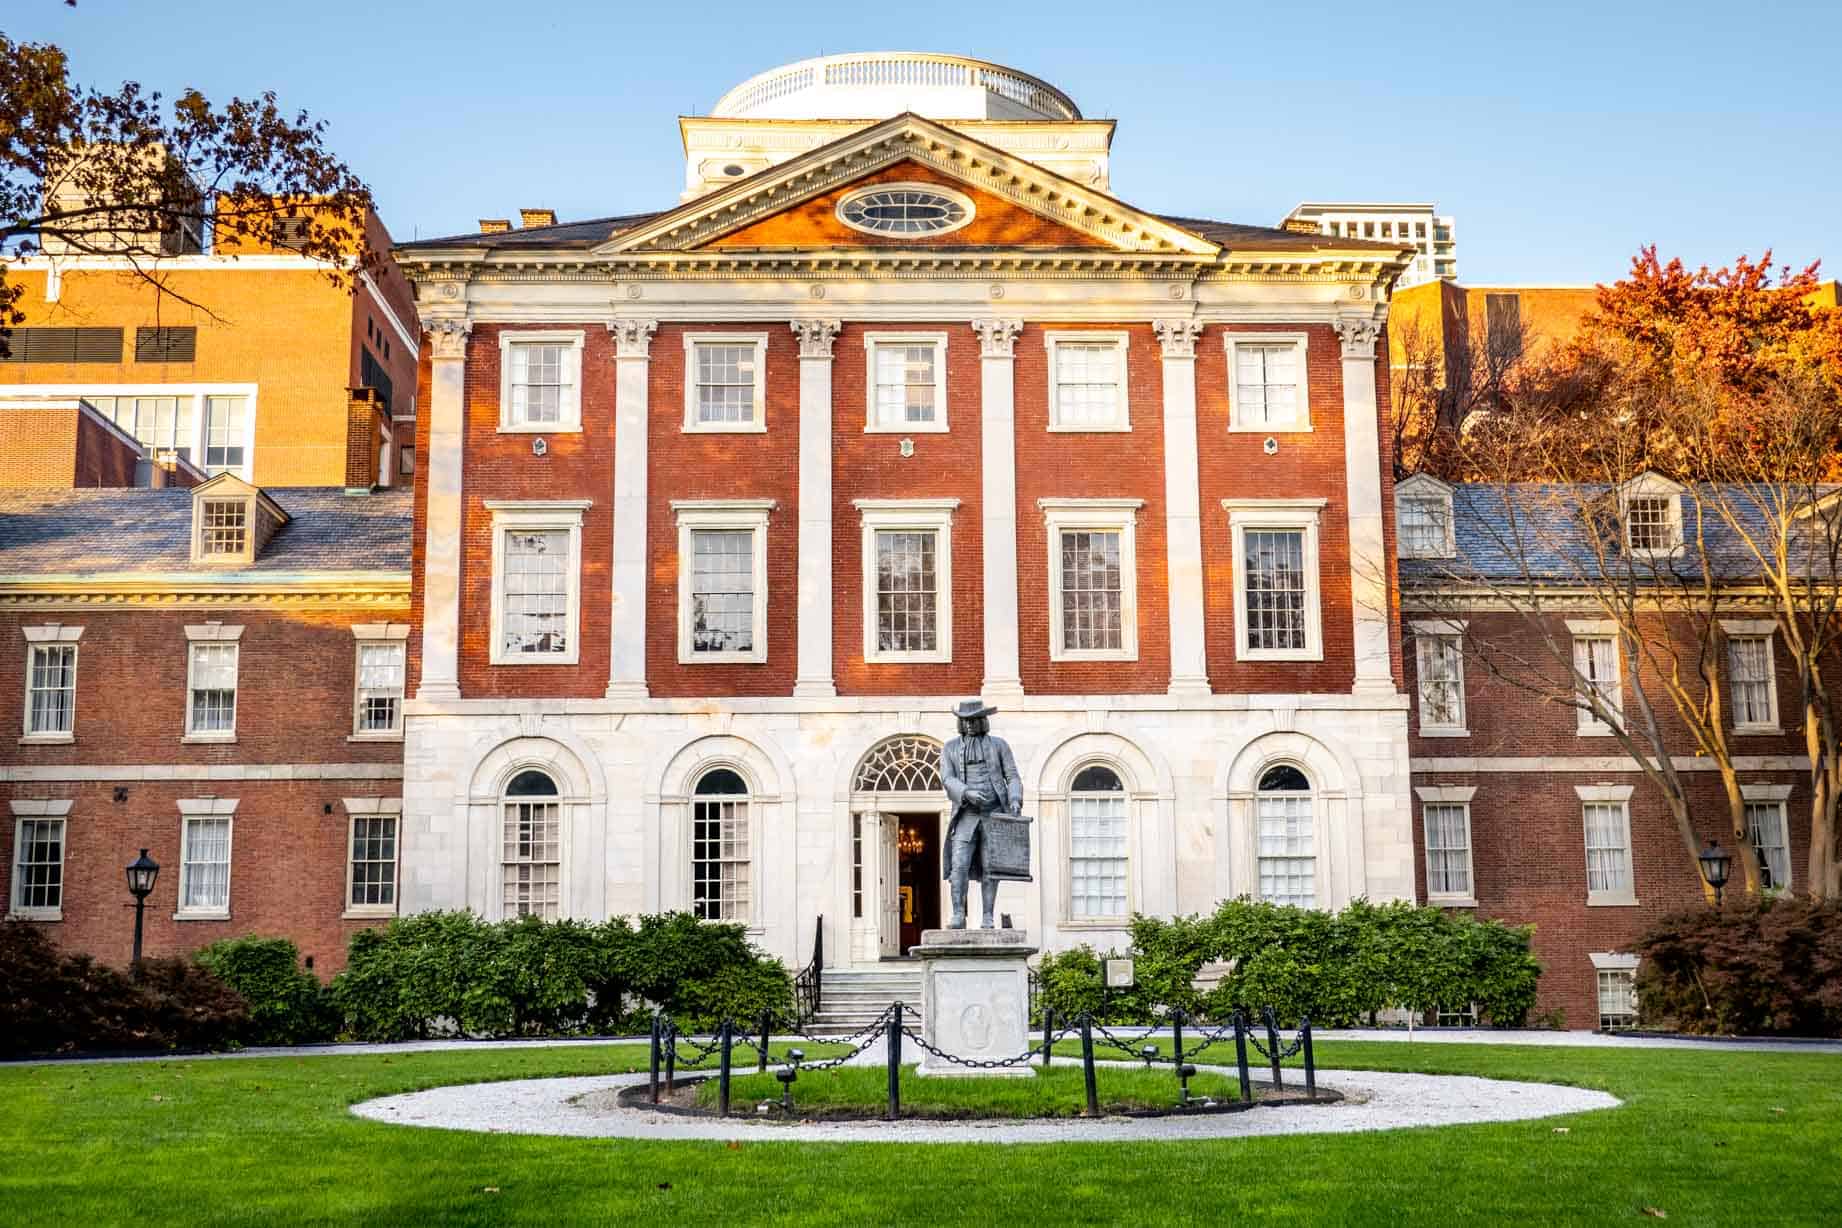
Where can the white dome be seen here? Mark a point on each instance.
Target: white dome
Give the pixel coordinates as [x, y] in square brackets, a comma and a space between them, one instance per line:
[878, 84]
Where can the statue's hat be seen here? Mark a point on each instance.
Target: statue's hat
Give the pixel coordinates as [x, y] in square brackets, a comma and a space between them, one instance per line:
[972, 707]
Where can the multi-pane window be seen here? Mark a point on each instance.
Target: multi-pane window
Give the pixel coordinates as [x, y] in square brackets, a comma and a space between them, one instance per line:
[535, 593]
[1284, 832]
[51, 689]
[374, 862]
[158, 424]
[1093, 590]
[1275, 588]
[1617, 999]
[379, 702]
[531, 857]
[1648, 523]
[1765, 826]
[1754, 689]
[1097, 848]
[1423, 524]
[538, 380]
[720, 847]
[906, 384]
[1608, 848]
[225, 428]
[907, 590]
[1266, 384]
[1596, 659]
[38, 866]
[856, 865]
[204, 867]
[1448, 848]
[722, 591]
[1089, 385]
[212, 689]
[725, 383]
[223, 527]
[1441, 668]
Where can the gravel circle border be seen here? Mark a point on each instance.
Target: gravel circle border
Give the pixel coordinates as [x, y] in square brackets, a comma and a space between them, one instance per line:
[1373, 1100]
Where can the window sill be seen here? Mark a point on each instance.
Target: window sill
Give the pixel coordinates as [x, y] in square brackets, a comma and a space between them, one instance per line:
[537, 658]
[209, 739]
[1611, 899]
[1749, 731]
[908, 658]
[36, 914]
[1451, 901]
[1293, 429]
[201, 915]
[1443, 731]
[1442, 555]
[1078, 655]
[47, 739]
[540, 428]
[723, 658]
[1595, 731]
[367, 914]
[393, 736]
[1123, 923]
[1089, 428]
[726, 428]
[907, 428]
[1279, 654]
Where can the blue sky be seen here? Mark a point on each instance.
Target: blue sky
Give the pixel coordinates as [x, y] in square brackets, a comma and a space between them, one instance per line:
[1560, 135]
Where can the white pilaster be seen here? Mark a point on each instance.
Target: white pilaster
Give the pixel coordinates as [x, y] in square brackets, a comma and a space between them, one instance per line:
[1189, 668]
[441, 560]
[1362, 468]
[998, 449]
[627, 623]
[814, 677]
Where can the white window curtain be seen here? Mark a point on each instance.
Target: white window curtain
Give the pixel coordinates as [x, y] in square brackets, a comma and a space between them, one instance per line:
[1765, 823]
[1448, 848]
[206, 866]
[1087, 384]
[1442, 691]
[1608, 847]
[1596, 658]
[1266, 384]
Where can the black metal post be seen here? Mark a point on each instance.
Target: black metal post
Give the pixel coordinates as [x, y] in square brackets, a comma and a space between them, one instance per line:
[1240, 1057]
[1311, 1065]
[140, 909]
[671, 1054]
[1087, 1063]
[653, 1081]
[722, 1075]
[1048, 1030]
[1272, 1047]
[1176, 1037]
[892, 1045]
[767, 1019]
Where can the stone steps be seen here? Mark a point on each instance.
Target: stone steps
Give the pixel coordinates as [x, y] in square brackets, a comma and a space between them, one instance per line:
[852, 998]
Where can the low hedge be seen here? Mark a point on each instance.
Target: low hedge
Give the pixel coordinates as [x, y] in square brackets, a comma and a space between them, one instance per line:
[451, 973]
[1768, 967]
[1338, 968]
[287, 1004]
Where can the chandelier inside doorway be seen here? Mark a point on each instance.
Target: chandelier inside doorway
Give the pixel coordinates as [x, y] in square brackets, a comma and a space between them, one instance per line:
[908, 841]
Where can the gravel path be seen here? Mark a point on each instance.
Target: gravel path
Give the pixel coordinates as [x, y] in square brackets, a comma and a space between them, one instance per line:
[584, 1108]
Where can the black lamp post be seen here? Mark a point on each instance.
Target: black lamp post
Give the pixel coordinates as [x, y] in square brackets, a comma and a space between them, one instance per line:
[1715, 864]
[142, 872]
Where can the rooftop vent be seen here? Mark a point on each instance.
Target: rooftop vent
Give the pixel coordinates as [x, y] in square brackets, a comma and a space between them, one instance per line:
[528, 218]
[494, 225]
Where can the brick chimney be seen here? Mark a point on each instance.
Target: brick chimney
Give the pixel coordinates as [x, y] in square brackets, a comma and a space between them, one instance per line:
[366, 427]
[494, 225]
[528, 218]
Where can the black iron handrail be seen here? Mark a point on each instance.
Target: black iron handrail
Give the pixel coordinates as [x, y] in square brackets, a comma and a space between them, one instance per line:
[809, 984]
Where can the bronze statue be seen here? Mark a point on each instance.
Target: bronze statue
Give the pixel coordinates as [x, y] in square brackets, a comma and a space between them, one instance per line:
[981, 780]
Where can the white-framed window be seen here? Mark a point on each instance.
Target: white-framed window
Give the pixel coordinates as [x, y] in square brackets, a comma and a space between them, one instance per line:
[226, 435]
[1606, 814]
[1596, 664]
[725, 387]
[1423, 518]
[1439, 658]
[537, 581]
[1088, 388]
[1093, 578]
[223, 528]
[1650, 508]
[1098, 846]
[204, 857]
[1615, 973]
[371, 856]
[908, 382]
[211, 682]
[540, 381]
[1268, 389]
[377, 680]
[39, 829]
[1752, 675]
[907, 579]
[1769, 832]
[212, 426]
[721, 874]
[1445, 815]
[1277, 612]
[51, 683]
[722, 580]
[1286, 837]
[531, 853]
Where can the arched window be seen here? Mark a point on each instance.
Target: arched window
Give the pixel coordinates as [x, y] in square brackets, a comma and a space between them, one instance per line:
[532, 861]
[1288, 865]
[719, 847]
[1097, 844]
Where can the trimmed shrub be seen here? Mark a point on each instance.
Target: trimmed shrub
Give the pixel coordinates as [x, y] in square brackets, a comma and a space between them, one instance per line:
[287, 1003]
[1338, 968]
[1755, 968]
[71, 1004]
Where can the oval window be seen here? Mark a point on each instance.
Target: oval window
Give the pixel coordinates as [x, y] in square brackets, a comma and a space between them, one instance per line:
[905, 210]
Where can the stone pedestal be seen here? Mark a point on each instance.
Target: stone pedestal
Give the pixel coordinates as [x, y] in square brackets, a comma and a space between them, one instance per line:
[975, 992]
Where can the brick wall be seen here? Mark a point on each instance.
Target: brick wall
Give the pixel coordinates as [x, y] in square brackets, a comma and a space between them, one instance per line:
[38, 448]
[364, 420]
[104, 458]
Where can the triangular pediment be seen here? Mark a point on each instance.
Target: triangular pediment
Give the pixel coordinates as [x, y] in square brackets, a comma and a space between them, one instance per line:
[1016, 204]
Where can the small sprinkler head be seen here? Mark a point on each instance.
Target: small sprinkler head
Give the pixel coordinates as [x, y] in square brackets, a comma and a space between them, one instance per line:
[1150, 1054]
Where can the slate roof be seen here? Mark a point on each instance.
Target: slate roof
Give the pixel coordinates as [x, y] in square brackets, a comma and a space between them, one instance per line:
[564, 235]
[139, 530]
[1506, 532]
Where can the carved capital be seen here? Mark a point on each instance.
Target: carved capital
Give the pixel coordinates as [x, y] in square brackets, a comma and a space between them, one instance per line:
[1359, 335]
[1178, 337]
[448, 338]
[997, 338]
[633, 338]
[815, 337]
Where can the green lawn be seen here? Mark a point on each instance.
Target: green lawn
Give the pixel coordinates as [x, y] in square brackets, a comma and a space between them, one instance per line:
[1707, 1137]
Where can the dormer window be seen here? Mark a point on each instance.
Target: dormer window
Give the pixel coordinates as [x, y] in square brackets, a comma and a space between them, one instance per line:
[1423, 518]
[1651, 508]
[223, 528]
[1647, 524]
[231, 522]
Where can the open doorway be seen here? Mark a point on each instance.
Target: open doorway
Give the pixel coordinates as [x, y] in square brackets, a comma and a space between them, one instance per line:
[919, 882]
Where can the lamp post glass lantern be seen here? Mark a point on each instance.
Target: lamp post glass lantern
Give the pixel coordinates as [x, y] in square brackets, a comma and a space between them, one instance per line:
[142, 872]
[1716, 863]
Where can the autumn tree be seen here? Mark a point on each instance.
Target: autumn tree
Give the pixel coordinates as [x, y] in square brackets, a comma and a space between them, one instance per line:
[124, 173]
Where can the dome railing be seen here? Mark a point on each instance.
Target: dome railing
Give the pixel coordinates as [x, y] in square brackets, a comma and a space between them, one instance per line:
[896, 68]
